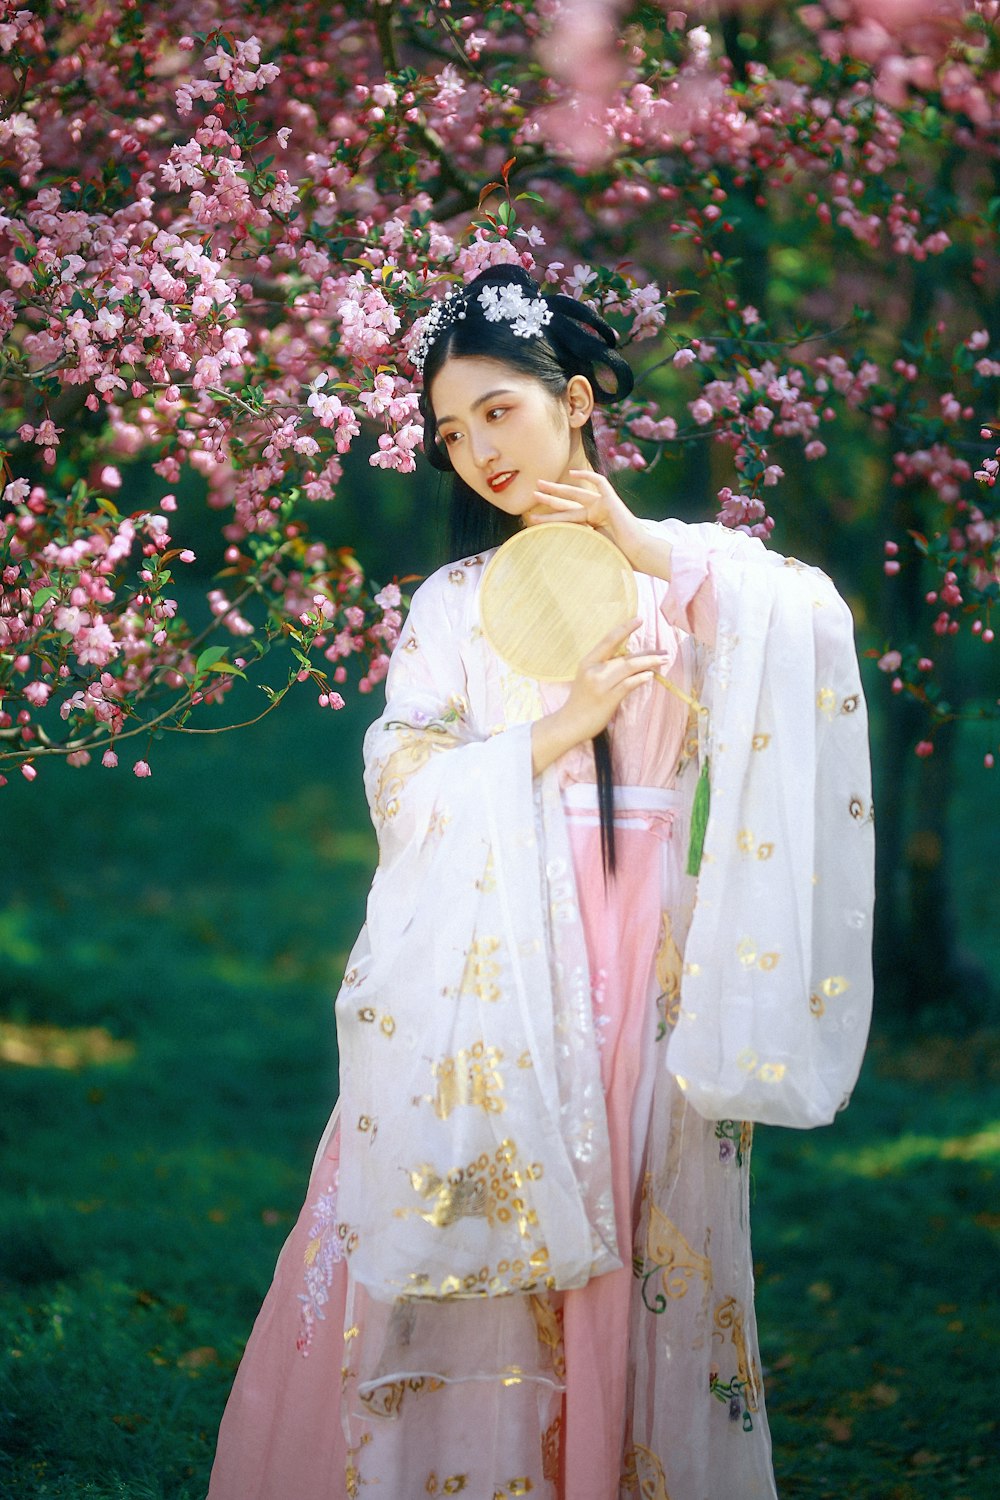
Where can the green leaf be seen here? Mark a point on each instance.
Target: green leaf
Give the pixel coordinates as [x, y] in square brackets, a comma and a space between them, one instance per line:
[42, 597]
[212, 659]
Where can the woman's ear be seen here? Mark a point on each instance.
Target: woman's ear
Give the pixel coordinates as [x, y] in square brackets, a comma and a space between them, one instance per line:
[580, 400]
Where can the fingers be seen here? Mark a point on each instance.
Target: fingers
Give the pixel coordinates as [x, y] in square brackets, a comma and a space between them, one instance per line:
[554, 508]
[609, 645]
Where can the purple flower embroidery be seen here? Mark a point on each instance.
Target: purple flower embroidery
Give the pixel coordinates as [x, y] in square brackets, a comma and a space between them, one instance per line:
[323, 1250]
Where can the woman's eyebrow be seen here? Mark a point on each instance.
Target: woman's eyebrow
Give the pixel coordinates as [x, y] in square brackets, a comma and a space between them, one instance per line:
[480, 401]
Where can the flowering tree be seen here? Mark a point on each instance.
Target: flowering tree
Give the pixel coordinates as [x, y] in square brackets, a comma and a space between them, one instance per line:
[220, 225]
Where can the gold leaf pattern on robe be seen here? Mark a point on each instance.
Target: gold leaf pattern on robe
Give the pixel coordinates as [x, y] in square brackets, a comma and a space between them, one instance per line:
[668, 1252]
[668, 976]
[482, 970]
[728, 1318]
[550, 1450]
[643, 1477]
[473, 1077]
[414, 748]
[548, 1329]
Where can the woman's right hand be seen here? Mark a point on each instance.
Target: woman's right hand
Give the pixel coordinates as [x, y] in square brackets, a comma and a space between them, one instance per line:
[604, 678]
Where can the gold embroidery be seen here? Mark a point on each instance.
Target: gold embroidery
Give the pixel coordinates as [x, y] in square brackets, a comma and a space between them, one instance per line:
[744, 841]
[351, 977]
[834, 986]
[438, 822]
[411, 643]
[385, 1400]
[643, 1477]
[816, 1004]
[748, 956]
[488, 884]
[669, 1252]
[729, 1317]
[387, 1025]
[486, 1188]
[364, 1124]
[366, 1014]
[826, 700]
[767, 1072]
[764, 851]
[668, 977]
[550, 1450]
[482, 970]
[760, 741]
[471, 1077]
[456, 576]
[548, 1330]
[454, 1485]
[522, 1486]
[415, 747]
[849, 705]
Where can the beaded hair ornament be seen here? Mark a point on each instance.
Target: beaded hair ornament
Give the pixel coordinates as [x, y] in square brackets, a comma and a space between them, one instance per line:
[527, 316]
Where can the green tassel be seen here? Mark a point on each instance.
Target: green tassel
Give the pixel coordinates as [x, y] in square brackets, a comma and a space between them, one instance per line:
[699, 820]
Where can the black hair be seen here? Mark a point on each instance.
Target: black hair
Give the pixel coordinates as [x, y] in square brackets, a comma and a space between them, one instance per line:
[576, 341]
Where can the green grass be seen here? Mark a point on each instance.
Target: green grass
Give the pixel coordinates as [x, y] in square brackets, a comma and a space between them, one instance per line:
[203, 917]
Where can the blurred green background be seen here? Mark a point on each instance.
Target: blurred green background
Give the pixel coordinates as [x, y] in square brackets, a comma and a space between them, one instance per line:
[169, 953]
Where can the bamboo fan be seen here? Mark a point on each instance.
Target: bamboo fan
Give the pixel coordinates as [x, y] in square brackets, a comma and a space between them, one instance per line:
[551, 593]
[548, 596]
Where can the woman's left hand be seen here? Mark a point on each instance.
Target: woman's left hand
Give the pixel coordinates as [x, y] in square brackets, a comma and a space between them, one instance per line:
[592, 500]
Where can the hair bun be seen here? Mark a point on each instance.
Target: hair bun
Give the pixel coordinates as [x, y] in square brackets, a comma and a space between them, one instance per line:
[580, 332]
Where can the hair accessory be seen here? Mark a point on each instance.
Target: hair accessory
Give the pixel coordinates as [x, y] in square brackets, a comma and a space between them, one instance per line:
[527, 316]
[441, 316]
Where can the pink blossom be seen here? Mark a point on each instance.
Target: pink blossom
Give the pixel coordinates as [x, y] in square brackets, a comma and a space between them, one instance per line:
[141, 768]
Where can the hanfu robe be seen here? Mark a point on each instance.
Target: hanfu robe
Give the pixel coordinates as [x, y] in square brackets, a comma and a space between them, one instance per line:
[524, 1265]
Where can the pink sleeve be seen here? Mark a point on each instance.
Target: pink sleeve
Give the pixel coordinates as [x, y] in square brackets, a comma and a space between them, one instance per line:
[689, 603]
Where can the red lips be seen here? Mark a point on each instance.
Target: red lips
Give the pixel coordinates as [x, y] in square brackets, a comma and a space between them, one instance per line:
[500, 482]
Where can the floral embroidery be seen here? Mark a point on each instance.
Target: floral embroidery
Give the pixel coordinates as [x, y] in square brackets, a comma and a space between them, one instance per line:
[733, 1393]
[741, 1391]
[734, 1137]
[323, 1250]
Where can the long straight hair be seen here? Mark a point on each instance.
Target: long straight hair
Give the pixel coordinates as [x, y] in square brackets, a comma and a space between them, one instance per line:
[576, 341]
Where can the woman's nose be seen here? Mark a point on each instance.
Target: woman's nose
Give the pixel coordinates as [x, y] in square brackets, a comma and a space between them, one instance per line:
[484, 449]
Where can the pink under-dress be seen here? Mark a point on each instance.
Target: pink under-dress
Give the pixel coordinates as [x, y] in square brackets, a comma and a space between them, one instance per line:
[645, 1381]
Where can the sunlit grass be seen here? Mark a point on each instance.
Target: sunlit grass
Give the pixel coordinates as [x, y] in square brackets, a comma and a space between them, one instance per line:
[201, 920]
[41, 1046]
[910, 1151]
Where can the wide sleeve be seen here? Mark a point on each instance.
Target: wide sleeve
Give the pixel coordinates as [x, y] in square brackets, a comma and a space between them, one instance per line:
[777, 986]
[474, 1132]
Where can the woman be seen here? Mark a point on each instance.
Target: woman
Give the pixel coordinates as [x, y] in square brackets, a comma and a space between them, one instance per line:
[524, 1262]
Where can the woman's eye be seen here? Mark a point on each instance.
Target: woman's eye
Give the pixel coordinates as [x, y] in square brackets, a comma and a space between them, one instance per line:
[450, 439]
[495, 412]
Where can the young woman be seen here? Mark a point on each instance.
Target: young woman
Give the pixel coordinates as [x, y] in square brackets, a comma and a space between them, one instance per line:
[524, 1266]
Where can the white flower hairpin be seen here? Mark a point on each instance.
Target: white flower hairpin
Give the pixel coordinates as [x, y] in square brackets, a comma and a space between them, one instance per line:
[527, 316]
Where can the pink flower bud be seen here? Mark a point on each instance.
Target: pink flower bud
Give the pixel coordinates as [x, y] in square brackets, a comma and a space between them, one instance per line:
[988, 636]
[891, 548]
[187, 556]
[891, 567]
[988, 761]
[923, 749]
[110, 759]
[28, 772]
[141, 768]
[925, 664]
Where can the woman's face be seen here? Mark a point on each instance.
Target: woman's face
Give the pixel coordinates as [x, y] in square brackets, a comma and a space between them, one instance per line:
[504, 431]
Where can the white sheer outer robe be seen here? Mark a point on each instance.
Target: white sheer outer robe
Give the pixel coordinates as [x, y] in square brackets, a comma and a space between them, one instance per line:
[474, 1134]
[479, 1297]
